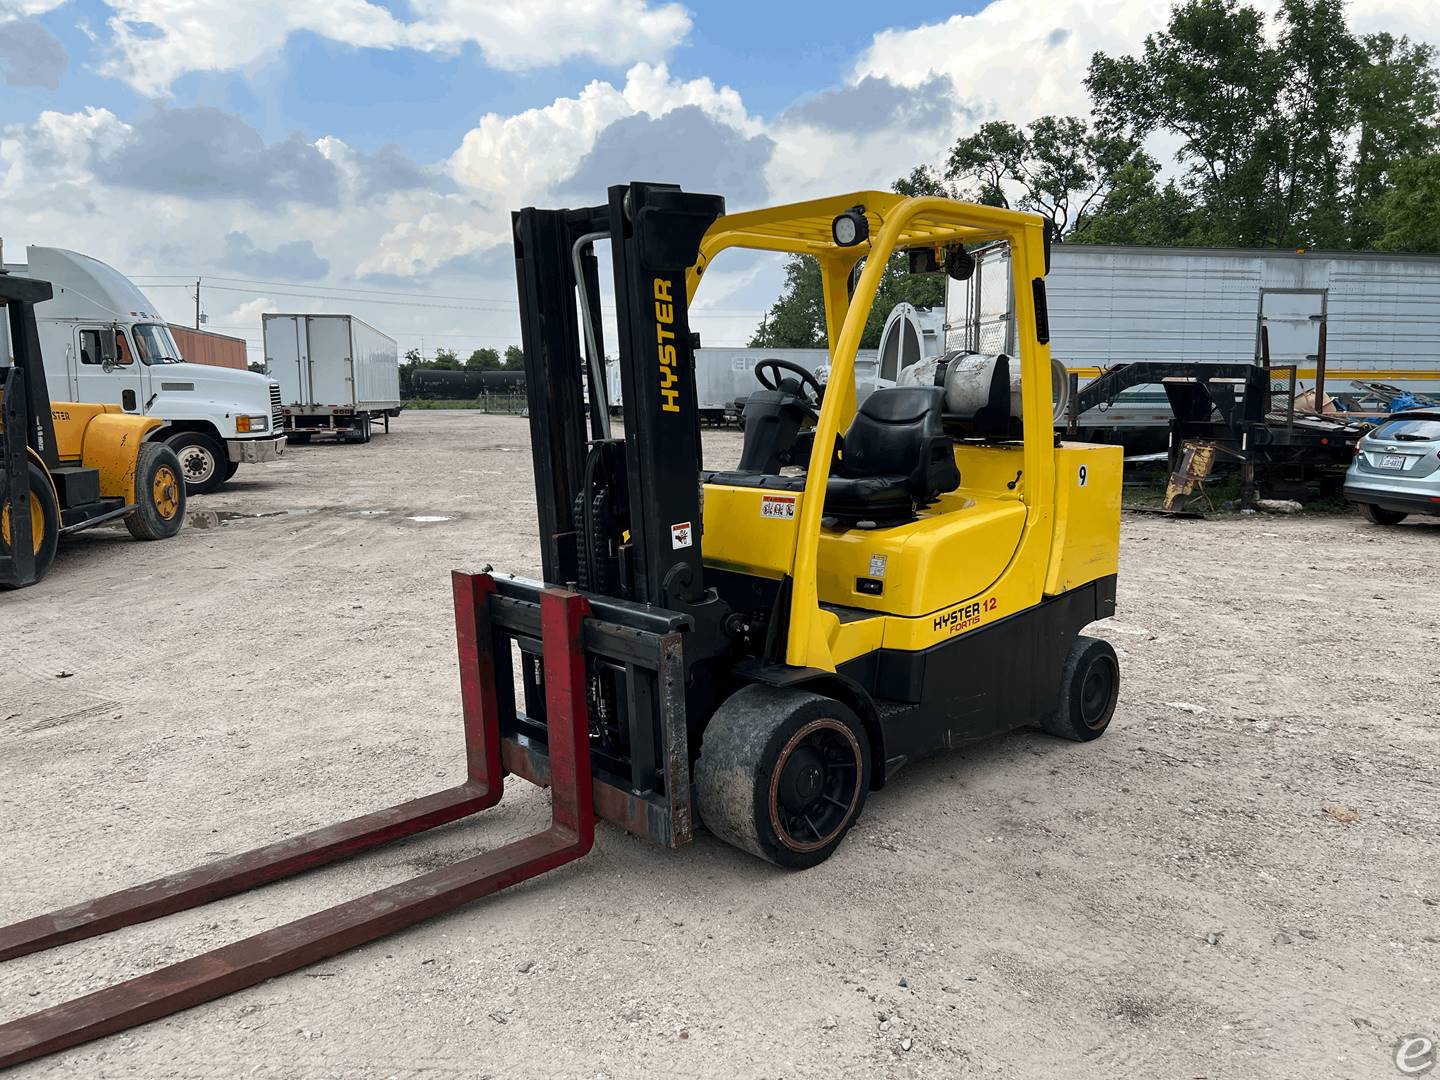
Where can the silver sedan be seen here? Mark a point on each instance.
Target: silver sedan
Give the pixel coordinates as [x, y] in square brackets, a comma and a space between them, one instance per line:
[1396, 471]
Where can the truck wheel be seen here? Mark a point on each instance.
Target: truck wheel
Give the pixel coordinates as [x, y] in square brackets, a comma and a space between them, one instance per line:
[782, 774]
[1378, 515]
[1089, 689]
[202, 461]
[231, 468]
[44, 521]
[159, 494]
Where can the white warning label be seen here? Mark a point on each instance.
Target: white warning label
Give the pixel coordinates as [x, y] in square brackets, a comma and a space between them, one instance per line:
[681, 535]
[877, 565]
[778, 506]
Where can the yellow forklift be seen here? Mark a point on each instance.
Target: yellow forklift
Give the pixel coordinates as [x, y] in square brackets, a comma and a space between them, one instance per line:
[72, 465]
[759, 646]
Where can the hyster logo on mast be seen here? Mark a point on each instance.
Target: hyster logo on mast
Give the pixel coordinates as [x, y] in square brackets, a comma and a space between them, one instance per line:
[664, 341]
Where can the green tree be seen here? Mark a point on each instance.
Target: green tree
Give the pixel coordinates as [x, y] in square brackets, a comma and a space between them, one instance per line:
[483, 360]
[1212, 79]
[1138, 211]
[1057, 166]
[1286, 141]
[924, 180]
[514, 358]
[1396, 90]
[1408, 212]
[445, 360]
[797, 319]
[413, 358]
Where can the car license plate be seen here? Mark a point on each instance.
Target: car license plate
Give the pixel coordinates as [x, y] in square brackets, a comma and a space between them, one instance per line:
[1392, 461]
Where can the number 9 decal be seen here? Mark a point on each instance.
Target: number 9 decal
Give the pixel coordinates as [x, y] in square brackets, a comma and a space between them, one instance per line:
[1084, 475]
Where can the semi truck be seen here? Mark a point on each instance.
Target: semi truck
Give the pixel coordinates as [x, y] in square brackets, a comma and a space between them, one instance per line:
[104, 343]
[337, 375]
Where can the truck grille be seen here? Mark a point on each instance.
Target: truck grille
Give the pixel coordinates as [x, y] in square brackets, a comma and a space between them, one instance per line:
[277, 420]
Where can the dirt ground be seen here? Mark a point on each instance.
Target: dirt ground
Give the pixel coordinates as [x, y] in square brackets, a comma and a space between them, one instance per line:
[1240, 880]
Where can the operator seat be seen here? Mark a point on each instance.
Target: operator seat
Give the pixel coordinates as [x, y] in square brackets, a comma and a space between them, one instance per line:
[895, 459]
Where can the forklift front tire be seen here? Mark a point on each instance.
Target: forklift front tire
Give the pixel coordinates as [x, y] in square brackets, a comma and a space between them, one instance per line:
[44, 521]
[1089, 689]
[782, 774]
[159, 494]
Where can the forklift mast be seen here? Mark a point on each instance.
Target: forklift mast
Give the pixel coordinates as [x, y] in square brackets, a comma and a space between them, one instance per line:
[19, 295]
[618, 517]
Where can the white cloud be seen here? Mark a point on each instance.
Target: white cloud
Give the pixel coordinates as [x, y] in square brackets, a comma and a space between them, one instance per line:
[514, 35]
[516, 159]
[157, 41]
[1015, 59]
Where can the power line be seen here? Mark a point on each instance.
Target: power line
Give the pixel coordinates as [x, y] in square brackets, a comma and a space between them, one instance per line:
[320, 292]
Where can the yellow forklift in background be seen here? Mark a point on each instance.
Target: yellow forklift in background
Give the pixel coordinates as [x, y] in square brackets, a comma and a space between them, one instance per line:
[72, 465]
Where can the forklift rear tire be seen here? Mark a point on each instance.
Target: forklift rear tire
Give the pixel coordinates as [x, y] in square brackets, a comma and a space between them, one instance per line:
[1378, 515]
[159, 494]
[782, 774]
[1089, 689]
[44, 522]
[202, 461]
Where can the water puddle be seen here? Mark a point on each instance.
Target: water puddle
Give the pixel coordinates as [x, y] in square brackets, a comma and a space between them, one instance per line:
[429, 519]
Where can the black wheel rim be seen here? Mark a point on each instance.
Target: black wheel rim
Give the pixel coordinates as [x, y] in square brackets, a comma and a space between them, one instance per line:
[1095, 691]
[815, 785]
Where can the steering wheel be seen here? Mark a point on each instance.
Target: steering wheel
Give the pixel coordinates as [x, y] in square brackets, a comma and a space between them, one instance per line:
[775, 366]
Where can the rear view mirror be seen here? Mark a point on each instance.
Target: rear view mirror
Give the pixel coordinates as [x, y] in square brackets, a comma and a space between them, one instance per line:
[109, 353]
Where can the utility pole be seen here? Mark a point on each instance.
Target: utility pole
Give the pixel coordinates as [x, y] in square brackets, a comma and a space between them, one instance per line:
[197, 303]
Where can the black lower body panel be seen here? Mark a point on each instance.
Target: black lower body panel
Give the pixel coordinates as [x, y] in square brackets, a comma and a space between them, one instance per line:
[991, 680]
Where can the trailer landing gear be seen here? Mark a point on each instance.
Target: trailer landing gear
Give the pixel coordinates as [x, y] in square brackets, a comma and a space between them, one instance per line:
[304, 941]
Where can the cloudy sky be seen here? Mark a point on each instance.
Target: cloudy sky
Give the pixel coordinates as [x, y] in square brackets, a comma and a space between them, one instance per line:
[363, 155]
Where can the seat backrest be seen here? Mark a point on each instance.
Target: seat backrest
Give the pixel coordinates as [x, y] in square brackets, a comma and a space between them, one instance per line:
[886, 436]
[899, 431]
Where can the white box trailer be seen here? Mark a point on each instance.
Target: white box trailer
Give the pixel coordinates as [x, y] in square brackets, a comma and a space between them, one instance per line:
[1379, 313]
[337, 374]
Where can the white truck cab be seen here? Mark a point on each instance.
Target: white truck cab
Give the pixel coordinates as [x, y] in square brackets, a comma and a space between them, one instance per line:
[104, 342]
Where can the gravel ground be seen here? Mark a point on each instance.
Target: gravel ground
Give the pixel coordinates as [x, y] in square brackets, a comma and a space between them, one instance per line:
[1240, 880]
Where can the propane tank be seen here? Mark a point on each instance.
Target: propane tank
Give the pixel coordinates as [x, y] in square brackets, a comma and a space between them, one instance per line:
[970, 382]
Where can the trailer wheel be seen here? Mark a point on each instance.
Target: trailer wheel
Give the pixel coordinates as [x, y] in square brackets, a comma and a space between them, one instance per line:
[159, 494]
[360, 432]
[202, 460]
[44, 522]
[782, 774]
[1089, 689]
[1378, 515]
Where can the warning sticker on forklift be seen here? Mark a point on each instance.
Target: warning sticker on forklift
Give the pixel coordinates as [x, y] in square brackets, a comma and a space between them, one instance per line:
[777, 506]
[877, 565]
[680, 535]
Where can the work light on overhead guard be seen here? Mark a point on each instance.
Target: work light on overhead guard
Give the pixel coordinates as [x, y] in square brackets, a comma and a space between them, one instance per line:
[850, 228]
